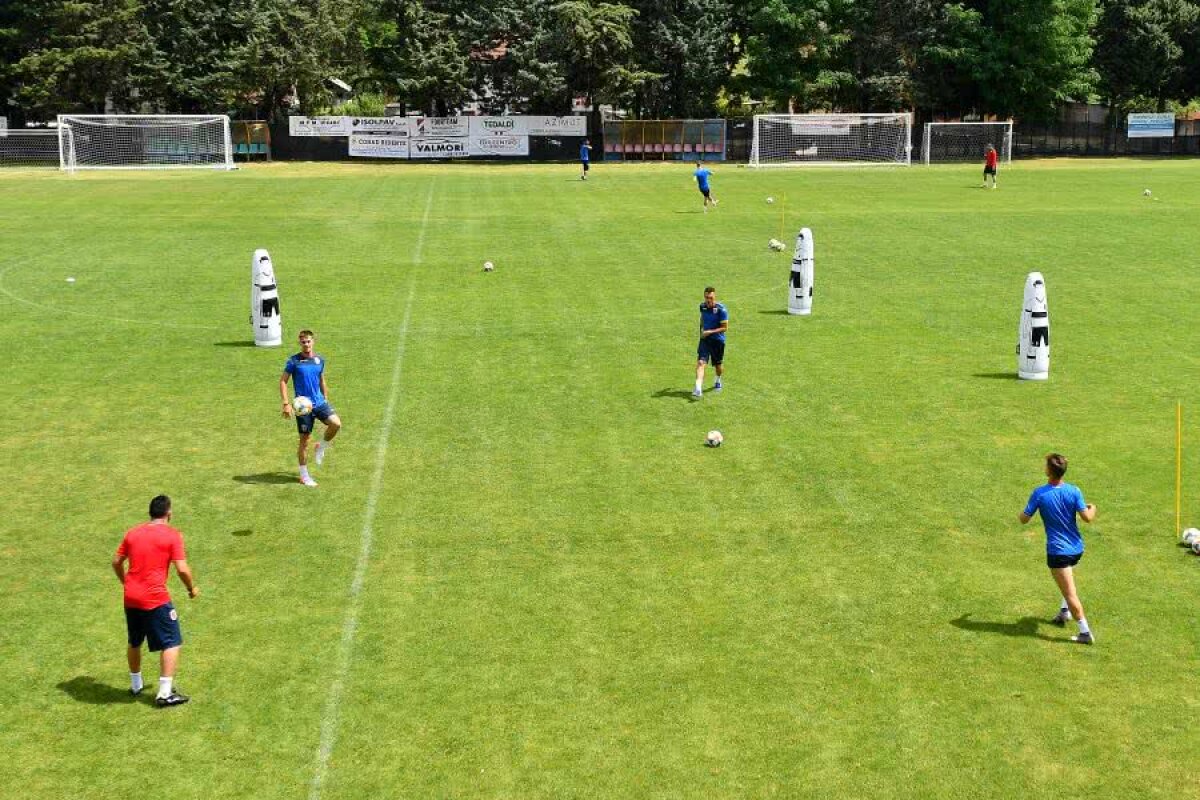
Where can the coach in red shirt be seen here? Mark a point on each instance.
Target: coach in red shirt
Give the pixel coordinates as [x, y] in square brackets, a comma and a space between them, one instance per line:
[151, 549]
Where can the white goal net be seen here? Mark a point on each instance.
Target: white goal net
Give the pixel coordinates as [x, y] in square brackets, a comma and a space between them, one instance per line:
[784, 140]
[28, 148]
[144, 141]
[947, 142]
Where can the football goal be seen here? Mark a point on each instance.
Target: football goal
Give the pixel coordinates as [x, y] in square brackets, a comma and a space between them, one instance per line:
[947, 142]
[786, 140]
[144, 141]
[28, 148]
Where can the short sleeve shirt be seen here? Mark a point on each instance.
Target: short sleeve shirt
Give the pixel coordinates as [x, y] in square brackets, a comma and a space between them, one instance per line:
[306, 375]
[712, 318]
[702, 175]
[584, 152]
[150, 548]
[1058, 506]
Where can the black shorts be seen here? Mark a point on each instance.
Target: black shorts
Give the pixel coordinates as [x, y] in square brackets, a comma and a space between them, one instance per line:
[585, 165]
[1059, 562]
[989, 171]
[712, 350]
[704, 192]
[158, 625]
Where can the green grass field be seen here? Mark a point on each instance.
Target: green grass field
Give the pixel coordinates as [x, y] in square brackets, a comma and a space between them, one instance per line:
[531, 579]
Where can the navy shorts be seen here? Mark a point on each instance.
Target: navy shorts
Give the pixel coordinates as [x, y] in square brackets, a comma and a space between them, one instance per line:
[304, 423]
[704, 192]
[585, 165]
[1058, 562]
[158, 625]
[712, 350]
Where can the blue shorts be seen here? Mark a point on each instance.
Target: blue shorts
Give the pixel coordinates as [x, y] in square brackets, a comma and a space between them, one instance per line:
[712, 350]
[1055, 561]
[704, 191]
[159, 625]
[304, 422]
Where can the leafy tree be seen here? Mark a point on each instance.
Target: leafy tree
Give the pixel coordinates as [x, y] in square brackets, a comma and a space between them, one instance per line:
[414, 52]
[689, 44]
[1144, 50]
[594, 44]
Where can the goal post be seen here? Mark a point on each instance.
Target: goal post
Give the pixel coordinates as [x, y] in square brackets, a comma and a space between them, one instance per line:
[949, 142]
[789, 140]
[28, 147]
[144, 141]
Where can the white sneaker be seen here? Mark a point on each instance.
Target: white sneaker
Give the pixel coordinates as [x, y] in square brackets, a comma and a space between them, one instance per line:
[320, 454]
[307, 480]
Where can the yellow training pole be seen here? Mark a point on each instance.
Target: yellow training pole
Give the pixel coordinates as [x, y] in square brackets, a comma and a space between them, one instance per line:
[1178, 464]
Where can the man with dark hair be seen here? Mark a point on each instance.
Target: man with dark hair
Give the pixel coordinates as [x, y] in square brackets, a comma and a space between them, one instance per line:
[990, 161]
[151, 548]
[585, 157]
[714, 321]
[1059, 502]
[308, 368]
[702, 175]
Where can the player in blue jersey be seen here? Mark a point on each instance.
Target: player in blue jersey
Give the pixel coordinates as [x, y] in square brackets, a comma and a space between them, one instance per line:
[585, 156]
[307, 370]
[1059, 502]
[702, 174]
[714, 321]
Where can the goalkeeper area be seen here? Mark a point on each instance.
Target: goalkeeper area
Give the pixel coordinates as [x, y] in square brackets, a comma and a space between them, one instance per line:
[951, 142]
[789, 140]
[566, 594]
[144, 141]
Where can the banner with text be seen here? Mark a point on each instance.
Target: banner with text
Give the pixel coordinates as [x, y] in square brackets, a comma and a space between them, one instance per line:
[379, 145]
[395, 126]
[438, 148]
[437, 127]
[318, 126]
[1145, 126]
[557, 126]
[499, 126]
[486, 145]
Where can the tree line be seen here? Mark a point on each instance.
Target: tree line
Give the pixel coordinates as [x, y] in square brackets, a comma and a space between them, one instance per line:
[653, 58]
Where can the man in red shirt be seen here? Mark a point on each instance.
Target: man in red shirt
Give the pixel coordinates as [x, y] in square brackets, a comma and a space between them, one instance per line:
[990, 159]
[151, 549]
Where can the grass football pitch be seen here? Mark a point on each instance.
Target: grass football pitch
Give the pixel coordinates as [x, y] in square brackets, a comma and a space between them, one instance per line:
[523, 575]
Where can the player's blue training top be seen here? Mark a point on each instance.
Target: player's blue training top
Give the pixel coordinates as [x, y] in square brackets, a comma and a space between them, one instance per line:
[584, 152]
[1058, 505]
[702, 174]
[713, 319]
[306, 375]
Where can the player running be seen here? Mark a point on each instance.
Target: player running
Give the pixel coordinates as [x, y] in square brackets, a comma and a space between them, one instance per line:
[1059, 502]
[585, 156]
[308, 369]
[714, 321]
[990, 159]
[702, 174]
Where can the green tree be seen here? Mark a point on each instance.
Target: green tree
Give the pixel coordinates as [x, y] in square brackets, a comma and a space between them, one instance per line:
[689, 44]
[416, 53]
[1144, 51]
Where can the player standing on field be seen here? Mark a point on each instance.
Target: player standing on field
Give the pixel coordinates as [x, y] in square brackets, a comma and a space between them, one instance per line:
[308, 369]
[990, 159]
[1059, 502]
[585, 155]
[714, 321]
[702, 174]
[151, 548]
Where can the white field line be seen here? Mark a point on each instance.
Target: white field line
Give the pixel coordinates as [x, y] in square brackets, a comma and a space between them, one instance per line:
[333, 705]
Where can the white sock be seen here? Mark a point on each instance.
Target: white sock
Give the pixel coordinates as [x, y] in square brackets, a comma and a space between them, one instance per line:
[135, 681]
[164, 687]
[1083, 626]
[323, 445]
[304, 471]
[698, 385]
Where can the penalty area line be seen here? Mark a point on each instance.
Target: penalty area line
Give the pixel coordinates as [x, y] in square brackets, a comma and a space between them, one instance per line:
[331, 718]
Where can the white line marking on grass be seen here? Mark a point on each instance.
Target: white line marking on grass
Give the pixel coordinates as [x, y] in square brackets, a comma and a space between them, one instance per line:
[330, 720]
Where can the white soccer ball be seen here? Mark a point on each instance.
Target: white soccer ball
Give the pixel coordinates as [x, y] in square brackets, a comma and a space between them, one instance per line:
[488, 266]
[302, 405]
[70, 280]
[775, 245]
[1145, 192]
[714, 439]
[770, 200]
[1190, 536]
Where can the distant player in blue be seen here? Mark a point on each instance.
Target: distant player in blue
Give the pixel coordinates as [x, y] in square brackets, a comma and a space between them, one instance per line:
[585, 155]
[1059, 502]
[702, 174]
[307, 370]
[714, 321]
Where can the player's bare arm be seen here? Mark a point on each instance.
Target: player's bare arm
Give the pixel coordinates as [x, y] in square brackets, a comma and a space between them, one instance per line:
[118, 565]
[185, 575]
[283, 393]
[324, 388]
[1088, 514]
[1024, 517]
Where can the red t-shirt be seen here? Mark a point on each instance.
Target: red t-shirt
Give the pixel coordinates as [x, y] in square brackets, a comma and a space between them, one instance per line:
[150, 548]
[992, 156]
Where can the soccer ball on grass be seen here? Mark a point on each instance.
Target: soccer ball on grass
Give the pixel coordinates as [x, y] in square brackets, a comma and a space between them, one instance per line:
[770, 200]
[714, 439]
[775, 245]
[302, 405]
[488, 266]
[1145, 192]
[1190, 536]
